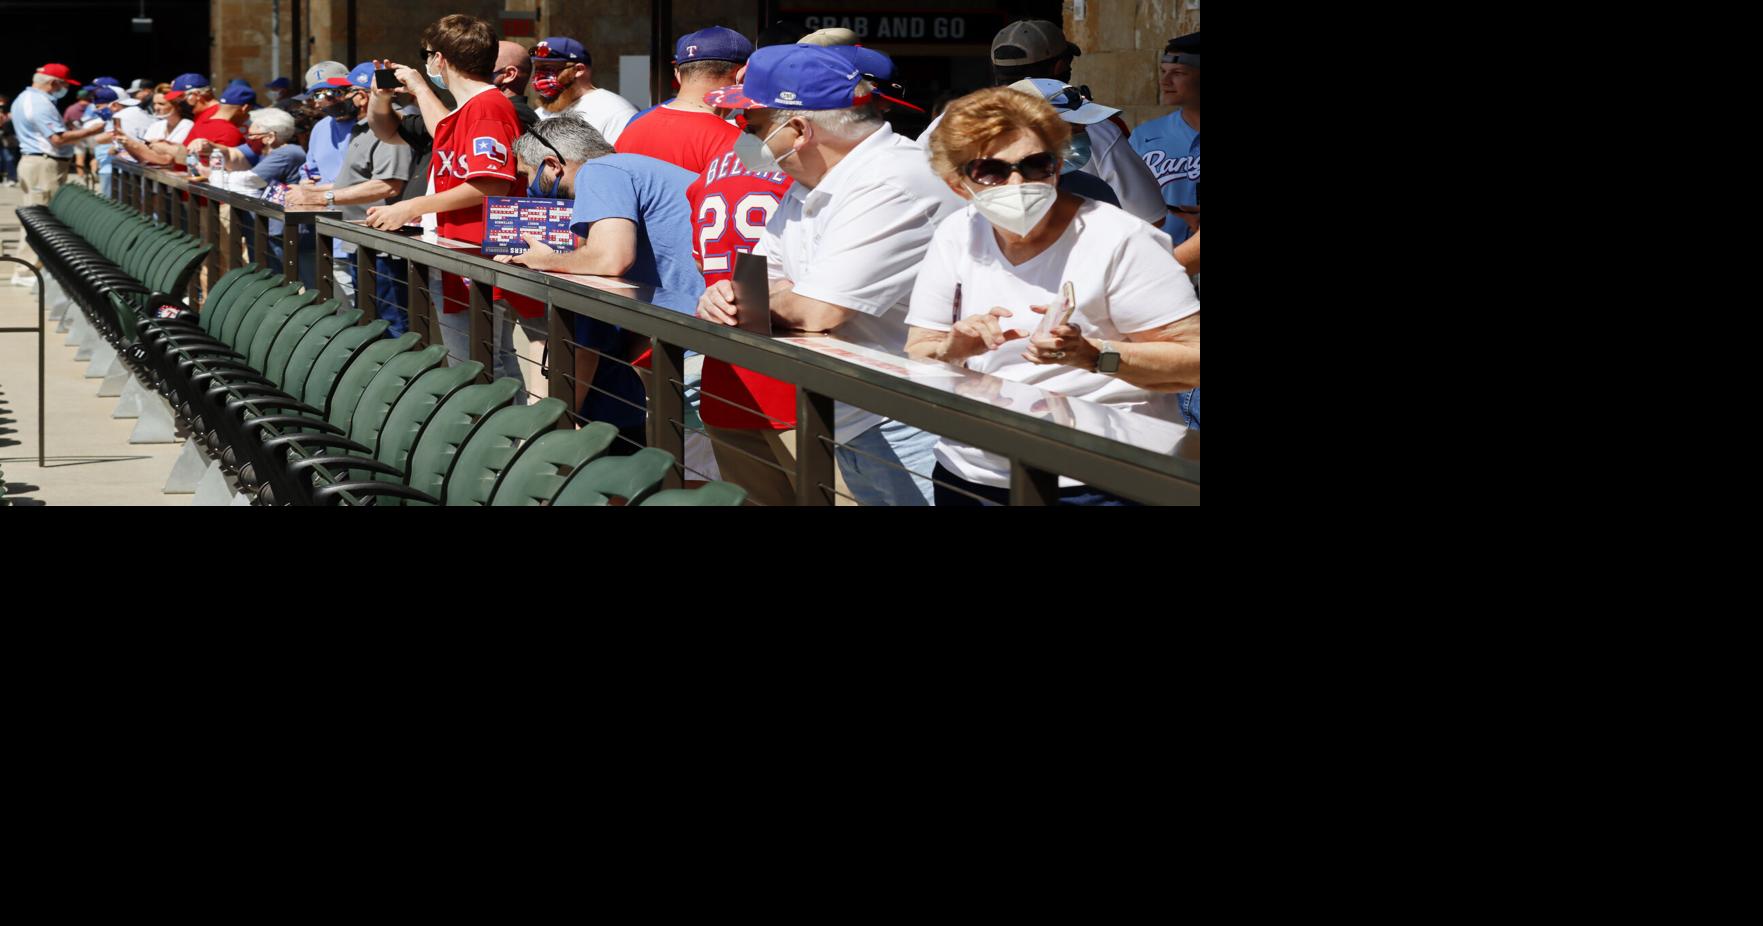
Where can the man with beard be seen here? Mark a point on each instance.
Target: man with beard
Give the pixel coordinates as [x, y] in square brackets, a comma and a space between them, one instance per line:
[564, 78]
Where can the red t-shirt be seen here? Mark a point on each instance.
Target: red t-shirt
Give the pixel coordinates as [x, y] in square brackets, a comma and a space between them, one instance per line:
[219, 131]
[475, 140]
[729, 210]
[689, 139]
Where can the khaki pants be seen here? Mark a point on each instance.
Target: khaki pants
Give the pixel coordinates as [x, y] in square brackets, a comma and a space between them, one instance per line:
[38, 178]
[765, 484]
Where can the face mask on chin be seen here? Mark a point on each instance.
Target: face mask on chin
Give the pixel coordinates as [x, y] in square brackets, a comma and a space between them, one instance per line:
[438, 78]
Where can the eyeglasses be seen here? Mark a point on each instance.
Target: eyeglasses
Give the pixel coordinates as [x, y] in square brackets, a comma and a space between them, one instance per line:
[991, 171]
[324, 95]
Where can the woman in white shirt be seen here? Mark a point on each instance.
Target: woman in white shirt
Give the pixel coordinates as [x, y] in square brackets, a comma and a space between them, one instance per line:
[994, 267]
[173, 126]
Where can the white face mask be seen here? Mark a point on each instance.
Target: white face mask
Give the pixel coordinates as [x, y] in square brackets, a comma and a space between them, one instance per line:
[756, 155]
[1015, 207]
[58, 94]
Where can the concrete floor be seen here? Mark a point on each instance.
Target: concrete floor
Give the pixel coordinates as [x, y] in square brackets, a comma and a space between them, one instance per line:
[90, 460]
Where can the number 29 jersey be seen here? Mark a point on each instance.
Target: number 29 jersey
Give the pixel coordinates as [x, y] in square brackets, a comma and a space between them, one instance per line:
[730, 207]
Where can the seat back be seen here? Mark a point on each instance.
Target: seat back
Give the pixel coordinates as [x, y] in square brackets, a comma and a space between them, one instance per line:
[631, 478]
[447, 430]
[490, 447]
[543, 466]
[414, 408]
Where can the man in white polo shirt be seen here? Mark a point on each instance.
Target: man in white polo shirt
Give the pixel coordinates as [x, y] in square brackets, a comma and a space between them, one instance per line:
[845, 244]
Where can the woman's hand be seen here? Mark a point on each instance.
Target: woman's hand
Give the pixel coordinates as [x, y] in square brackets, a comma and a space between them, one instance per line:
[978, 334]
[1063, 345]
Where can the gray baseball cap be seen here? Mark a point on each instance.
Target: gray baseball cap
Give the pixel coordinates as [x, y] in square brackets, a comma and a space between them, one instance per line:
[323, 71]
[1030, 41]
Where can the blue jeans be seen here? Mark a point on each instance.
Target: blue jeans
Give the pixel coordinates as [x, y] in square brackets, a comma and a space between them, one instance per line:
[308, 257]
[873, 482]
[389, 287]
[8, 164]
[1190, 407]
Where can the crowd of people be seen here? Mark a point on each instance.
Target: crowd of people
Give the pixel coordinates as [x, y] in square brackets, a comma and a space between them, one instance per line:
[948, 247]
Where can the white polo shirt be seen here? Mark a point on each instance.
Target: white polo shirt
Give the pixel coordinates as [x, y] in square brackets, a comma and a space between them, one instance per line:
[856, 241]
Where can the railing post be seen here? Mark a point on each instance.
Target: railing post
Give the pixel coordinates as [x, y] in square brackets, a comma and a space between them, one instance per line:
[366, 292]
[667, 406]
[481, 326]
[321, 246]
[211, 237]
[290, 250]
[815, 465]
[416, 293]
[1030, 486]
[560, 357]
[260, 238]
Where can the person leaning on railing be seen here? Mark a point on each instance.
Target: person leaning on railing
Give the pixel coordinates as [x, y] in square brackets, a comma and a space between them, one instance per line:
[994, 267]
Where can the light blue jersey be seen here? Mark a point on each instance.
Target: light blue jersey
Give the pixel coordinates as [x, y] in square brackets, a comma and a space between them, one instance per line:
[35, 118]
[1171, 148]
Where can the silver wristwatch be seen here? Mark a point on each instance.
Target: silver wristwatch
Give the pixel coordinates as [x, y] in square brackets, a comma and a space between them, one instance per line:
[330, 199]
[1108, 361]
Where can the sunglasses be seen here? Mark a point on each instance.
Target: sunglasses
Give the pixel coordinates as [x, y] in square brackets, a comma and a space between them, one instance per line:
[324, 95]
[991, 171]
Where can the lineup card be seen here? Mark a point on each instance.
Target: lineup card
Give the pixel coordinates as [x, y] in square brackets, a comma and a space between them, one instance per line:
[507, 218]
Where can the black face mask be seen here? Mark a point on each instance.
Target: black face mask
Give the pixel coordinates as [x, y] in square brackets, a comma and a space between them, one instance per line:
[343, 110]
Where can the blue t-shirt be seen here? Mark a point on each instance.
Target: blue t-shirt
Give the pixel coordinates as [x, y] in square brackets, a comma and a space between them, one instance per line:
[1171, 148]
[330, 141]
[281, 164]
[652, 195]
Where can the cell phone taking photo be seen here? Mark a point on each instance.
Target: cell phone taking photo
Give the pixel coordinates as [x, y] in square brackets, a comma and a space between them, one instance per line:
[386, 79]
[1059, 314]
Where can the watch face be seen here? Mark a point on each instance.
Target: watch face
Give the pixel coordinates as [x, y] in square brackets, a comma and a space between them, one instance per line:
[1108, 362]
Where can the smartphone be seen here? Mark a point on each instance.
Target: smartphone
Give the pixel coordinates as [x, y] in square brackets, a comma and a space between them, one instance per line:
[386, 79]
[1060, 314]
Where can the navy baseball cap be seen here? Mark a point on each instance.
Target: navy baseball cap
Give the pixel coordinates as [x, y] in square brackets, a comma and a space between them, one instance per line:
[188, 82]
[104, 94]
[280, 83]
[561, 48]
[106, 82]
[1183, 49]
[800, 77]
[717, 43]
[238, 95]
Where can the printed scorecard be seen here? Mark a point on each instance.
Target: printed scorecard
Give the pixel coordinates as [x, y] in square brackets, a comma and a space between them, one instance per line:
[507, 218]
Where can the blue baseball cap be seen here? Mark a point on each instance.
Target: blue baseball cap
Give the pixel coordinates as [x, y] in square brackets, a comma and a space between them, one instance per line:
[561, 48]
[804, 78]
[717, 43]
[280, 83]
[799, 77]
[106, 82]
[362, 77]
[187, 82]
[238, 95]
[871, 62]
[104, 94]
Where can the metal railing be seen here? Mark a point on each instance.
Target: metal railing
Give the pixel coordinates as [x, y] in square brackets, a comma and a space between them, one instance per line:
[1043, 435]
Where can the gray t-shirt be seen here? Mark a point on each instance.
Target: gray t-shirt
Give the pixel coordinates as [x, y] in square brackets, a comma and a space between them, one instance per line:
[368, 158]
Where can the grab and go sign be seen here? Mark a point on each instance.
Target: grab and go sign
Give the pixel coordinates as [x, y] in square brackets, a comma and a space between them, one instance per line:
[912, 27]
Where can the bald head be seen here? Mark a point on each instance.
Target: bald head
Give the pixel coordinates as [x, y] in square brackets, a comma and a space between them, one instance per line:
[513, 67]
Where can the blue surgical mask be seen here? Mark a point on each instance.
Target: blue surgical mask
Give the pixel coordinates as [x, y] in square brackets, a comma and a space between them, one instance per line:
[532, 189]
[438, 78]
[58, 94]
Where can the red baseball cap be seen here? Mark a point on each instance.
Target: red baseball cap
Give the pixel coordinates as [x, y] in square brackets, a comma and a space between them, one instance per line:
[57, 71]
